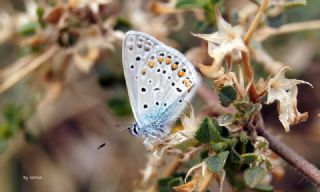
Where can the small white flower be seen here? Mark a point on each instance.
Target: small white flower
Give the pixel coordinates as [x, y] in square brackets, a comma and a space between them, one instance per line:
[223, 42]
[285, 92]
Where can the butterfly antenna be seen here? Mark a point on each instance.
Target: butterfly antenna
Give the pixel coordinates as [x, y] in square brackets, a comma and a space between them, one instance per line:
[113, 137]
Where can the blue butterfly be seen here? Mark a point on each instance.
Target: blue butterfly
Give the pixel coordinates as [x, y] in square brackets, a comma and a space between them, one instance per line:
[160, 82]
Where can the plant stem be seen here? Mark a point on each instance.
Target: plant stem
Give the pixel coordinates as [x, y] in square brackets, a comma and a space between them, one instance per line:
[253, 94]
[266, 32]
[255, 22]
[290, 156]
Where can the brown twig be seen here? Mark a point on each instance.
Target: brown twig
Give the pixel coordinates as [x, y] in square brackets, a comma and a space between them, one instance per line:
[266, 32]
[10, 80]
[290, 156]
[253, 94]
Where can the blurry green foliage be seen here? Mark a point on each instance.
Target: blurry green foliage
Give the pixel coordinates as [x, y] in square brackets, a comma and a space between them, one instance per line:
[40, 13]
[166, 184]
[13, 121]
[208, 7]
[122, 25]
[227, 95]
[277, 21]
[246, 110]
[120, 106]
[27, 29]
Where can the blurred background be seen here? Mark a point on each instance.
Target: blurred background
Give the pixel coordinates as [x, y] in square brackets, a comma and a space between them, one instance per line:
[63, 92]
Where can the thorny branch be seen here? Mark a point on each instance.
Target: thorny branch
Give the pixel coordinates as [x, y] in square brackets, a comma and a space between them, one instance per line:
[289, 155]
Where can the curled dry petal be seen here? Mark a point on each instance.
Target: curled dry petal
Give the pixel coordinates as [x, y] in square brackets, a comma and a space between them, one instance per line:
[179, 135]
[221, 43]
[285, 92]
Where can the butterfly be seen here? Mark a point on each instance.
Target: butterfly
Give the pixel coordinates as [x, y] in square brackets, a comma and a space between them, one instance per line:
[160, 82]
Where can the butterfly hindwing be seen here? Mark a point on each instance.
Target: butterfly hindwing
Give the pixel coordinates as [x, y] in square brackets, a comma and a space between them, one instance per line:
[160, 80]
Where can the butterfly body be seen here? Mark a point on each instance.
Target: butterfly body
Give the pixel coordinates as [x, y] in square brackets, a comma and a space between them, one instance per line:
[160, 81]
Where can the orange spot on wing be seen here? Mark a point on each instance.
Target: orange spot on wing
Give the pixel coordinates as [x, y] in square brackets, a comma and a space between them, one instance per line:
[174, 67]
[181, 73]
[151, 64]
[168, 61]
[187, 83]
[160, 59]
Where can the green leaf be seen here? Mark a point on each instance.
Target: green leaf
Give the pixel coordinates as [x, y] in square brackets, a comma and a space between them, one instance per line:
[227, 95]
[27, 29]
[219, 146]
[253, 176]
[264, 188]
[166, 184]
[191, 3]
[249, 158]
[208, 131]
[216, 163]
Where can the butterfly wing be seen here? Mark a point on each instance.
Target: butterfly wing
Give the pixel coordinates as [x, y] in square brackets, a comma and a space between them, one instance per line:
[160, 80]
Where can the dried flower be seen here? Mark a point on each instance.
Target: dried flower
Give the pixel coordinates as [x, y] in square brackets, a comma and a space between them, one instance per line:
[190, 125]
[285, 92]
[221, 43]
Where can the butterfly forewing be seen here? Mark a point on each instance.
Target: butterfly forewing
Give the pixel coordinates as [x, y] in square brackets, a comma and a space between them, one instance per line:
[160, 80]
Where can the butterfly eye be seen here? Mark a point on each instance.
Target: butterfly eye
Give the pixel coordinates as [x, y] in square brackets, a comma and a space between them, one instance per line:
[134, 130]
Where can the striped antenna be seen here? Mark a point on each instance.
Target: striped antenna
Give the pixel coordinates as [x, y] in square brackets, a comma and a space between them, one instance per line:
[113, 137]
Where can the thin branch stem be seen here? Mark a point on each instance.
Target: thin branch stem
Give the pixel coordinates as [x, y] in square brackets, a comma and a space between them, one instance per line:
[253, 94]
[290, 156]
[266, 32]
[255, 22]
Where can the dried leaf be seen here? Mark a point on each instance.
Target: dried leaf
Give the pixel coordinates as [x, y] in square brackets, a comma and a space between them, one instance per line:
[187, 187]
[285, 92]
